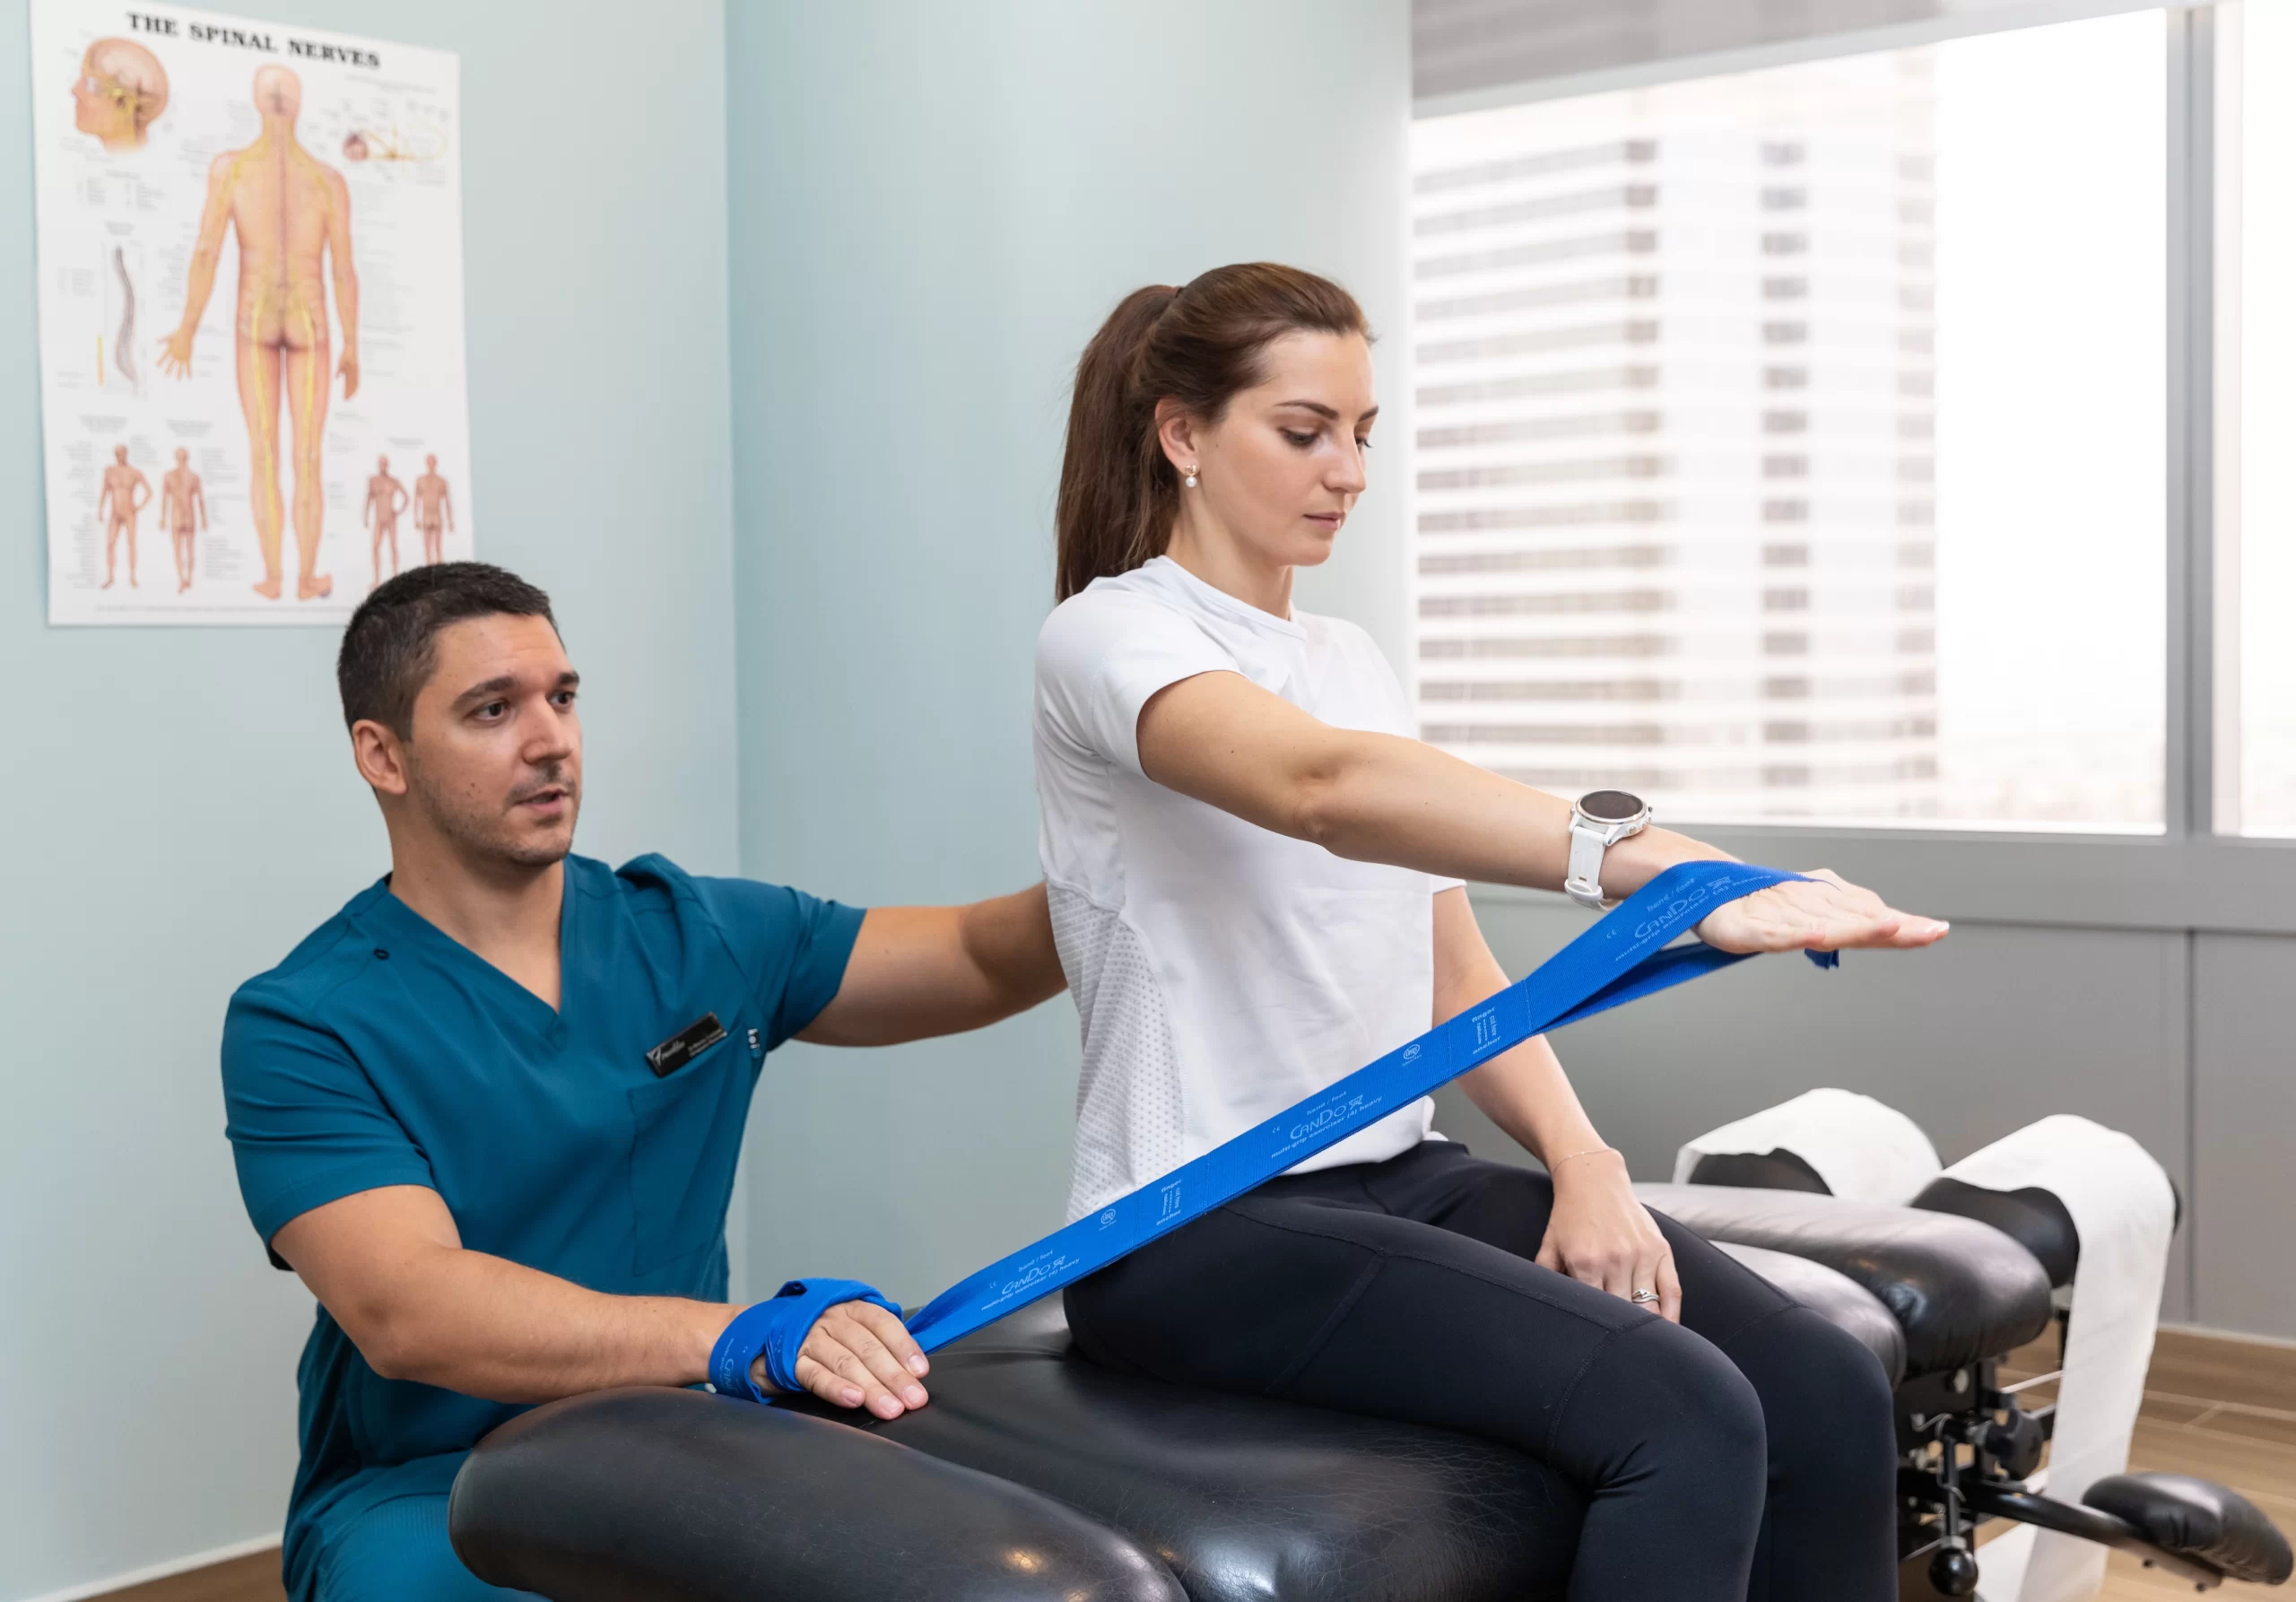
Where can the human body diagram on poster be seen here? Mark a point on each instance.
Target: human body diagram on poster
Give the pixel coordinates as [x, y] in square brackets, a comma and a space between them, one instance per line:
[251, 266]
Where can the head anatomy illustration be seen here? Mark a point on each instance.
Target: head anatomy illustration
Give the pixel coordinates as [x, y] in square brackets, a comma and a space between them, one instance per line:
[119, 93]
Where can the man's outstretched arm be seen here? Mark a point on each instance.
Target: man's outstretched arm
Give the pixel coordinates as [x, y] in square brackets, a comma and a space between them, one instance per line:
[916, 972]
[391, 1267]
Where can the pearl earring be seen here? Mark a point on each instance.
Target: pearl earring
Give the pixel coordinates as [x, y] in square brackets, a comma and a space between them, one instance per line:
[1190, 479]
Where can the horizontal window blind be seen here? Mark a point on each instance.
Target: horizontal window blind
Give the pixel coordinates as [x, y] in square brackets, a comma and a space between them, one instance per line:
[1691, 459]
[1477, 49]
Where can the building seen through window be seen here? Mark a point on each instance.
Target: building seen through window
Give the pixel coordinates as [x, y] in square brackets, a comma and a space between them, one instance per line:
[1790, 443]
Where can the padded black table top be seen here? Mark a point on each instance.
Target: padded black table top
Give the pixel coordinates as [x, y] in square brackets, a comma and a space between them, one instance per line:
[1034, 1477]
[1961, 1290]
[1243, 1496]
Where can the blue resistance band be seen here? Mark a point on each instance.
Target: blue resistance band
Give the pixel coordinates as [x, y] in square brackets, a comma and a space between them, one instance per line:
[1621, 959]
[774, 1330]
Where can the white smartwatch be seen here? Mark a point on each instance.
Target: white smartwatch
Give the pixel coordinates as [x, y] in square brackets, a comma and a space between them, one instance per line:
[1599, 820]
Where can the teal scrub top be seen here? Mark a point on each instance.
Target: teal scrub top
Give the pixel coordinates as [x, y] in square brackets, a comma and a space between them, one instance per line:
[384, 1052]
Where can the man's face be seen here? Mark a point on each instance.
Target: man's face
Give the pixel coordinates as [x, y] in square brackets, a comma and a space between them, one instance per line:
[494, 757]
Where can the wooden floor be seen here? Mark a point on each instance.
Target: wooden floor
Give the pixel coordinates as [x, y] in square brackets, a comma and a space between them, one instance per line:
[2223, 1409]
[254, 1577]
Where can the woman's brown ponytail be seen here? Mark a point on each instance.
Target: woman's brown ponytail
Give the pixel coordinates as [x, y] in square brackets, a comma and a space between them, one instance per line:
[1200, 346]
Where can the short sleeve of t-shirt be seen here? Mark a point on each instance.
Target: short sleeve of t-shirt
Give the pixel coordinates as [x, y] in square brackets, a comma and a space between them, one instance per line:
[1100, 655]
[306, 1125]
[793, 945]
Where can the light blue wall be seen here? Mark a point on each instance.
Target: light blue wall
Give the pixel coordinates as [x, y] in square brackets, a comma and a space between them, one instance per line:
[177, 808]
[933, 208]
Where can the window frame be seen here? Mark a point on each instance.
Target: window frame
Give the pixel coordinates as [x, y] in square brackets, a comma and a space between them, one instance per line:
[2190, 876]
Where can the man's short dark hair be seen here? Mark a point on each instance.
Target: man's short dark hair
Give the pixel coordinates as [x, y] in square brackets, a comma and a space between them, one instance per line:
[391, 645]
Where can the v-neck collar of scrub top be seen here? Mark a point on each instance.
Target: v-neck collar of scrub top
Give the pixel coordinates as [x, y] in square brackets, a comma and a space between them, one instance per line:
[546, 1024]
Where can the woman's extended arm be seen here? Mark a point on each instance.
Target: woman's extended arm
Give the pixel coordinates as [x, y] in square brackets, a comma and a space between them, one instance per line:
[1598, 1232]
[1375, 797]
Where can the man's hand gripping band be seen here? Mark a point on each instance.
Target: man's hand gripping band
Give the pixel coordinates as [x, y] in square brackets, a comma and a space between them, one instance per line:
[775, 1330]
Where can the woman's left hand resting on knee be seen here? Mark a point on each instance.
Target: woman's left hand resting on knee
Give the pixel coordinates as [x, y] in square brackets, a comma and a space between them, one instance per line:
[1602, 1235]
[1598, 1232]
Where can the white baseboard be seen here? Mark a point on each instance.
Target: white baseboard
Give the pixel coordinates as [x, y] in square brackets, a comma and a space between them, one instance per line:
[174, 1565]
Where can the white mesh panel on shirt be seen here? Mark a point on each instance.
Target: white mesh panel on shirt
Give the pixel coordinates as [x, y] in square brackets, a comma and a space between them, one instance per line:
[1129, 1118]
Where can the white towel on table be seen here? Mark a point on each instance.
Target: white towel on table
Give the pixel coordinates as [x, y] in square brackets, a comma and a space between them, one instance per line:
[1863, 1150]
[2125, 1210]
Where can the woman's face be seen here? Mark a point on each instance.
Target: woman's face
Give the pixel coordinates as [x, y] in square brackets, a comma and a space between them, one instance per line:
[1282, 468]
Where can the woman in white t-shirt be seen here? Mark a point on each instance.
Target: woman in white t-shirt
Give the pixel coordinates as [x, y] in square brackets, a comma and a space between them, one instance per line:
[1255, 875]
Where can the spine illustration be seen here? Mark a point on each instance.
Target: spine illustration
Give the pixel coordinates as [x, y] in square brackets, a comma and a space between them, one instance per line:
[124, 352]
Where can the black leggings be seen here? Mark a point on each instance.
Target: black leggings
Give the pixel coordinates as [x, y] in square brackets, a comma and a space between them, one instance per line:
[1746, 1453]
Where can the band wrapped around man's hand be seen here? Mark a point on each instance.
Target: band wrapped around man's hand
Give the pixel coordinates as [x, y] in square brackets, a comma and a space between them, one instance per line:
[774, 1330]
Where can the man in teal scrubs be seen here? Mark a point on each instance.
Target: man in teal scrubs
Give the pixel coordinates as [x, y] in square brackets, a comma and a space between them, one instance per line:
[490, 1110]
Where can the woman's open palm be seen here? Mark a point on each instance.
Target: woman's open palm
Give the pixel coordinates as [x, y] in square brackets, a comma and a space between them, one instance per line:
[1821, 912]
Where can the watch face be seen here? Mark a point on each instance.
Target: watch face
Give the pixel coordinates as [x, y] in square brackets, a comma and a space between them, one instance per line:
[1611, 806]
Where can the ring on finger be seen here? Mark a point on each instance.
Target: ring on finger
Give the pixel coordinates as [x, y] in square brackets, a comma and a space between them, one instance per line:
[1644, 1296]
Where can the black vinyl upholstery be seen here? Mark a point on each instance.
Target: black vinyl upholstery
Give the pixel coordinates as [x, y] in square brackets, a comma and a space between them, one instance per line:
[1110, 1486]
[2199, 1519]
[661, 1495]
[1780, 1169]
[1029, 1448]
[1961, 1290]
[1835, 1298]
[2031, 1217]
[1246, 1497]
[1036, 1476]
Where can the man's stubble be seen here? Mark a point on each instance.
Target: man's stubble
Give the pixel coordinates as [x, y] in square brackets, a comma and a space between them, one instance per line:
[482, 830]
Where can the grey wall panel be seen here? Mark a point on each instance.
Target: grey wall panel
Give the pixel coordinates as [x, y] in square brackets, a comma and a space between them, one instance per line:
[2245, 1118]
[1972, 1038]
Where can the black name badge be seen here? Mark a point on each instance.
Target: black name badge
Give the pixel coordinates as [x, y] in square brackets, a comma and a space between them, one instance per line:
[685, 1046]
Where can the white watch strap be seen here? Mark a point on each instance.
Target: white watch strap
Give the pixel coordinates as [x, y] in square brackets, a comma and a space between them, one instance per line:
[1584, 882]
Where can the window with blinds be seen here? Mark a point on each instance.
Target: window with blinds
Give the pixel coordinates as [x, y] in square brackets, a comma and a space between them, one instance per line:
[1734, 396]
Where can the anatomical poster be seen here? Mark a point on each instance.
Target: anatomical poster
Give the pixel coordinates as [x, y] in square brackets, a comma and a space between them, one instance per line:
[251, 314]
